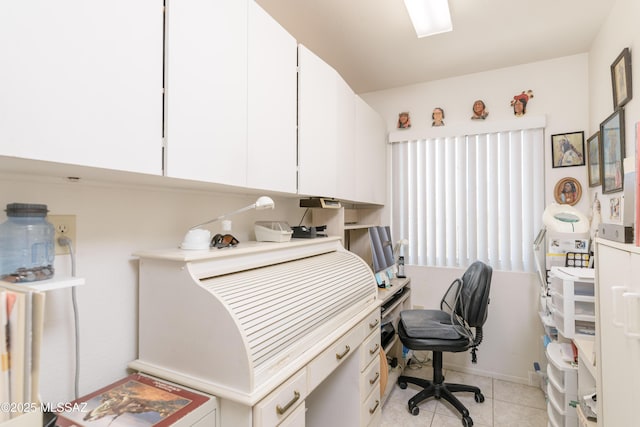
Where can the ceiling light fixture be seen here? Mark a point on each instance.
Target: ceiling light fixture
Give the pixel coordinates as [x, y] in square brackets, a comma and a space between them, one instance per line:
[429, 17]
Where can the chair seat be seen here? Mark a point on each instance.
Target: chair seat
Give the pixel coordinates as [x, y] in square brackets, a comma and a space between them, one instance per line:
[431, 330]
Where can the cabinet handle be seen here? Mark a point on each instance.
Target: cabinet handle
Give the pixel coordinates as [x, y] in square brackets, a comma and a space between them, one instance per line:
[374, 350]
[632, 316]
[374, 324]
[282, 409]
[372, 410]
[373, 381]
[347, 349]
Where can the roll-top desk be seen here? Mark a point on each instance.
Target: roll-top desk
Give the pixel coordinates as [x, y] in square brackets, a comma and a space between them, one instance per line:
[282, 333]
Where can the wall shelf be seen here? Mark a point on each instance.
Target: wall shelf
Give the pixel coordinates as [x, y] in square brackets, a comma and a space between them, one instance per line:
[50, 284]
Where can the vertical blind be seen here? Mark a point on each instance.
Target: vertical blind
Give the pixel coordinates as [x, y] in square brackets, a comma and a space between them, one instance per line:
[471, 197]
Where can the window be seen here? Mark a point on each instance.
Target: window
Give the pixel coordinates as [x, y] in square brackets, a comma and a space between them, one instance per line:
[459, 199]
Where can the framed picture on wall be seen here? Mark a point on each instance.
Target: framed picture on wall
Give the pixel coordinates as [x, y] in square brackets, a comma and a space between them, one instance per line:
[567, 149]
[567, 191]
[621, 79]
[612, 140]
[593, 150]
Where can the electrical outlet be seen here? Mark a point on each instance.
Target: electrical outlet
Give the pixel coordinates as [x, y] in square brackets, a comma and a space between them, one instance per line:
[64, 226]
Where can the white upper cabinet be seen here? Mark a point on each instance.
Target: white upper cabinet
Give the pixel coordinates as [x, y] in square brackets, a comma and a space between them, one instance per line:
[371, 146]
[206, 90]
[341, 139]
[271, 162]
[317, 125]
[81, 83]
[346, 155]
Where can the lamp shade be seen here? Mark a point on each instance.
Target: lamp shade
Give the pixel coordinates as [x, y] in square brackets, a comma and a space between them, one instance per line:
[264, 202]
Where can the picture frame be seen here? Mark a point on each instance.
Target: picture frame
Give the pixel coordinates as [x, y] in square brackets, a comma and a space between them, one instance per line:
[567, 191]
[613, 151]
[594, 155]
[567, 149]
[621, 79]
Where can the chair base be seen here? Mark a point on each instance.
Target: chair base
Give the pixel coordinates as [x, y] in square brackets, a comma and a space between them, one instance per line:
[438, 389]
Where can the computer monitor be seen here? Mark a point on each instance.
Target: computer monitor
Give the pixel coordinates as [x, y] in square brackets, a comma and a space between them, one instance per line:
[382, 253]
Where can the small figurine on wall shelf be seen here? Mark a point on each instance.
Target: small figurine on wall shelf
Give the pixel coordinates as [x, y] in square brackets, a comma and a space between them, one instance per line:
[519, 103]
[479, 110]
[404, 121]
[438, 117]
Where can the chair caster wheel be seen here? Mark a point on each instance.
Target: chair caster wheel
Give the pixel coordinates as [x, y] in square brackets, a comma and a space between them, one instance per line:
[402, 385]
[467, 422]
[414, 410]
[479, 397]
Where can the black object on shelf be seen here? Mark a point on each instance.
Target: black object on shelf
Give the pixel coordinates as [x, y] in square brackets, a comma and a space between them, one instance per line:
[304, 232]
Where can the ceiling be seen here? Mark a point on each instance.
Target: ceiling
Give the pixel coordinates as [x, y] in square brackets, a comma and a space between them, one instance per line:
[373, 45]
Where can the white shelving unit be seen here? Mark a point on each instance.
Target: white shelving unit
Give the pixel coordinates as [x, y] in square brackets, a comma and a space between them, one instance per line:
[562, 388]
[572, 302]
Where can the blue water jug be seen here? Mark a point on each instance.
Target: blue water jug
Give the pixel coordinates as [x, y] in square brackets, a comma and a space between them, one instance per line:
[27, 248]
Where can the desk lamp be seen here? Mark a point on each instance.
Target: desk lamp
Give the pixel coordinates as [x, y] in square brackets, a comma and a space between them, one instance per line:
[399, 260]
[200, 239]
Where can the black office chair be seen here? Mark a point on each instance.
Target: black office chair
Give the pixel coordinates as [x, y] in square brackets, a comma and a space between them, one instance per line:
[463, 307]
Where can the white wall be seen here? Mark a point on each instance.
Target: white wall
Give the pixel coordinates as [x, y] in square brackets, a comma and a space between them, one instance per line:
[113, 221]
[620, 30]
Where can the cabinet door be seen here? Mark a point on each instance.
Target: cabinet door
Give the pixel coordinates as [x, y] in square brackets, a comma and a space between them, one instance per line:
[633, 325]
[346, 155]
[617, 364]
[82, 83]
[371, 167]
[272, 162]
[206, 84]
[317, 125]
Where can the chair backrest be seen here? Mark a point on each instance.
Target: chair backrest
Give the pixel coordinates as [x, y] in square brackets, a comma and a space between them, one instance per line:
[472, 304]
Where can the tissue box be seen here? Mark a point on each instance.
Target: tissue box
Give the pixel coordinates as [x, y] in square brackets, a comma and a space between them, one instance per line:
[272, 231]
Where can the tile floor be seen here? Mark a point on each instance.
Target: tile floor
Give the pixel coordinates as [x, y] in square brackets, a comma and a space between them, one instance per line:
[506, 404]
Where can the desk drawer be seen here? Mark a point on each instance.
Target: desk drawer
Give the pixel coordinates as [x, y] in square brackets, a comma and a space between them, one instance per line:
[371, 407]
[370, 350]
[370, 379]
[372, 322]
[296, 419]
[282, 401]
[332, 357]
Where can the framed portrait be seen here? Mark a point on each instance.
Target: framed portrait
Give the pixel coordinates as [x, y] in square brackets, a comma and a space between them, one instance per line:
[567, 149]
[567, 191]
[612, 140]
[621, 79]
[593, 150]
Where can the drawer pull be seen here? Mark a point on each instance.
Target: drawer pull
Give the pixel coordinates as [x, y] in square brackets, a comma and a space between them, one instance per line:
[373, 381]
[282, 409]
[374, 324]
[372, 410]
[373, 351]
[346, 351]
